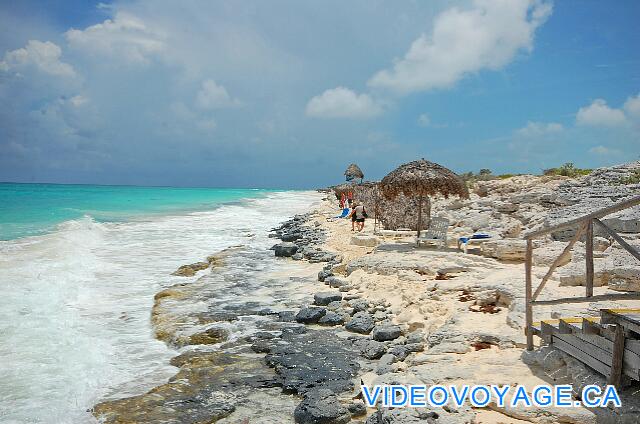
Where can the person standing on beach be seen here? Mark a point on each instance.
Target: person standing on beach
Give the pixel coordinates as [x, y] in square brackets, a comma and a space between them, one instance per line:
[359, 215]
[352, 214]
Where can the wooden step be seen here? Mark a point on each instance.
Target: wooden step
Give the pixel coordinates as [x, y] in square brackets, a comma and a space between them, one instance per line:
[570, 325]
[597, 353]
[629, 318]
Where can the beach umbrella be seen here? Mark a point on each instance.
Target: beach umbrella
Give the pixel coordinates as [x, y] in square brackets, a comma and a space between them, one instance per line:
[422, 178]
[353, 171]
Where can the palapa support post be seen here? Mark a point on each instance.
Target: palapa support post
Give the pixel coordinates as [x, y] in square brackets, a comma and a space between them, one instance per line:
[528, 289]
[589, 257]
[615, 376]
[419, 224]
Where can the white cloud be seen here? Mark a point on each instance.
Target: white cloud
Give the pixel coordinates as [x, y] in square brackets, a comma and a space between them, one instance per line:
[126, 36]
[341, 102]
[632, 107]
[537, 129]
[424, 120]
[213, 95]
[78, 100]
[207, 124]
[598, 113]
[43, 56]
[487, 36]
[603, 151]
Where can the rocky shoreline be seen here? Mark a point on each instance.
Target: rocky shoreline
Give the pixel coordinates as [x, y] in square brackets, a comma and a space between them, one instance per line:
[345, 310]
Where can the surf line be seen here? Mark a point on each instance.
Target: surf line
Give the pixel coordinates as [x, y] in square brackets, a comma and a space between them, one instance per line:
[479, 396]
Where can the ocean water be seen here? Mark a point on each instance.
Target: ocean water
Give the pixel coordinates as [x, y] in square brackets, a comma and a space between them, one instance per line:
[79, 267]
[32, 209]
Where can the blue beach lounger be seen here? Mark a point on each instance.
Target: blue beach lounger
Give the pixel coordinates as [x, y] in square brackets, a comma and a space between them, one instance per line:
[463, 242]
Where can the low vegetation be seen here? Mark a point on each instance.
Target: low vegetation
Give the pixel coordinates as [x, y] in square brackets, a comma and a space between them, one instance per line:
[568, 170]
[634, 178]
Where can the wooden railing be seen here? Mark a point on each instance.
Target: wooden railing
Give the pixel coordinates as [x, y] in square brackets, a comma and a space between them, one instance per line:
[584, 225]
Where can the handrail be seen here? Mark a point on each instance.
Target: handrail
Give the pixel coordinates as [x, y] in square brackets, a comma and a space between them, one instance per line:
[597, 214]
[585, 226]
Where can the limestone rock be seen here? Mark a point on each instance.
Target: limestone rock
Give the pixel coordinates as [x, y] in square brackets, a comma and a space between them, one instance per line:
[191, 269]
[365, 240]
[506, 250]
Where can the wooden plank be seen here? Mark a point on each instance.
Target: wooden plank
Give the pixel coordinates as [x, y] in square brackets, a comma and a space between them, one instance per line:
[528, 261]
[618, 353]
[619, 239]
[595, 298]
[581, 356]
[591, 325]
[624, 317]
[557, 261]
[570, 325]
[549, 326]
[629, 368]
[631, 359]
[589, 258]
[597, 214]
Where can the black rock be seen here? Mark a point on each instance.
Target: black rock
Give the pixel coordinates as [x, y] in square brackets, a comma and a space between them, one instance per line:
[285, 249]
[302, 363]
[261, 346]
[383, 333]
[310, 315]
[323, 274]
[331, 318]
[361, 322]
[287, 316]
[370, 349]
[321, 407]
[324, 298]
[399, 351]
[359, 305]
[357, 409]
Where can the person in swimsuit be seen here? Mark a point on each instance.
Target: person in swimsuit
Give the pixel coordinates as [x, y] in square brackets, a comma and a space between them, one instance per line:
[352, 215]
[359, 214]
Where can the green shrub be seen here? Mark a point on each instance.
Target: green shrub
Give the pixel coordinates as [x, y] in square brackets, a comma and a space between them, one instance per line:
[634, 178]
[567, 170]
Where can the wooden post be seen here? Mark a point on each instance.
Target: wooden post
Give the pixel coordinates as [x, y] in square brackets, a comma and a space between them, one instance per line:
[616, 361]
[528, 306]
[589, 257]
[419, 224]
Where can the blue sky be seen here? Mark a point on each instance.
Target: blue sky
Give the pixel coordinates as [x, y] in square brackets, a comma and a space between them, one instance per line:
[288, 93]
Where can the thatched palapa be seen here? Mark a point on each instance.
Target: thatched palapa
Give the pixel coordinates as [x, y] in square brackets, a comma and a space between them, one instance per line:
[353, 171]
[422, 179]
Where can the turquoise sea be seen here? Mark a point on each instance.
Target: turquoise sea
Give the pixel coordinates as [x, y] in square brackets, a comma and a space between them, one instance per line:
[80, 266]
[33, 209]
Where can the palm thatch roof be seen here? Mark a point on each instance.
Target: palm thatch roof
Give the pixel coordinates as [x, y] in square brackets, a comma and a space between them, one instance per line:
[343, 188]
[353, 171]
[423, 178]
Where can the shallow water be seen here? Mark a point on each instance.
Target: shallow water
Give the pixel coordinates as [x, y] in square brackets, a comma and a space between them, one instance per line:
[75, 305]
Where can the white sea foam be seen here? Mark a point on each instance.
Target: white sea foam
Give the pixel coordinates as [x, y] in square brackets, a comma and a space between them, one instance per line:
[75, 304]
